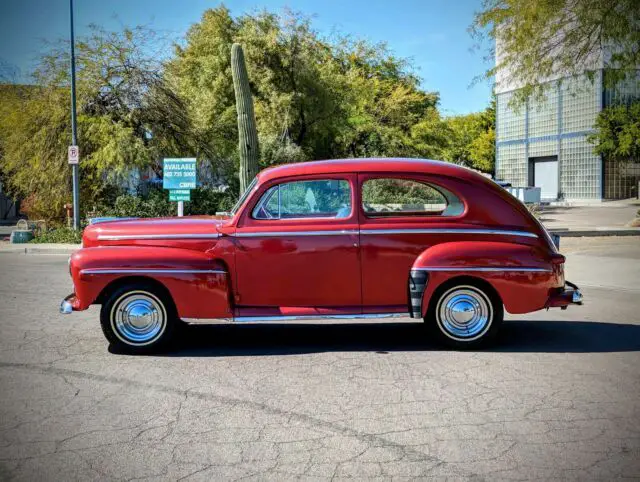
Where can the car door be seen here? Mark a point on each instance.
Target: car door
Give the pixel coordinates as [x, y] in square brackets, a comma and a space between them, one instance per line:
[398, 214]
[297, 245]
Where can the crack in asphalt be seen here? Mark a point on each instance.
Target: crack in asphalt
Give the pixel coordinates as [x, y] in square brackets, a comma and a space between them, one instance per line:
[189, 393]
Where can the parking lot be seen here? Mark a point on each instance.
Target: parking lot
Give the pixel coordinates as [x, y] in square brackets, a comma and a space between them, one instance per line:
[558, 397]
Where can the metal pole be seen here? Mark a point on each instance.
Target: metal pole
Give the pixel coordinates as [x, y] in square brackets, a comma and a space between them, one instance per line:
[180, 209]
[74, 136]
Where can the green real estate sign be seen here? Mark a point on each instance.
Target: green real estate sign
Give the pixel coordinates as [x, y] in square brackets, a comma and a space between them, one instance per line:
[179, 173]
[179, 177]
[179, 195]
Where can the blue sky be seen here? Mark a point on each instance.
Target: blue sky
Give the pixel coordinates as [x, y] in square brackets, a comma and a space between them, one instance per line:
[432, 33]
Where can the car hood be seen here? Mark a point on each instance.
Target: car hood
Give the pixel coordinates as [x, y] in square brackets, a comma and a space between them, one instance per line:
[195, 232]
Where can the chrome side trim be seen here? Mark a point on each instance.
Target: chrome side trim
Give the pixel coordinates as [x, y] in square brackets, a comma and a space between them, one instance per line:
[150, 271]
[271, 234]
[121, 237]
[525, 234]
[267, 319]
[107, 219]
[207, 321]
[484, 268]
[250, 319]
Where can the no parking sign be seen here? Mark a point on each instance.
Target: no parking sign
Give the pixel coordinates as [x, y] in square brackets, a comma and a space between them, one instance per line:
[74, 155]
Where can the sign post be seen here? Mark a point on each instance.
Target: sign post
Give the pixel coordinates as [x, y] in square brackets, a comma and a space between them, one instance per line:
[179, 177]
[75, 168]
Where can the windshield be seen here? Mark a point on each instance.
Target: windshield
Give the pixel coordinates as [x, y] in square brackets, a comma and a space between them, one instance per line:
[244, 196]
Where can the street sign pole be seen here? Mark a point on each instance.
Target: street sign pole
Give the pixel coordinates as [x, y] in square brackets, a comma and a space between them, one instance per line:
[74, 138]
[180, 209]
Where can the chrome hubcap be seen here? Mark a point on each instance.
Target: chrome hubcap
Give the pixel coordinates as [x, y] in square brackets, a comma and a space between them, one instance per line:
[464, 313]
[138, 318]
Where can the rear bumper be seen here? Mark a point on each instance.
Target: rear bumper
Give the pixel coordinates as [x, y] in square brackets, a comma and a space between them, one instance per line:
[565, 297]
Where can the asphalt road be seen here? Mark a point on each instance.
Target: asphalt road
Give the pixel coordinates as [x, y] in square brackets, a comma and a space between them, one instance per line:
[557, 398]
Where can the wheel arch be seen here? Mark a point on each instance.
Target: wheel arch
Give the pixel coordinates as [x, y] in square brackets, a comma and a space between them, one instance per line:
[115, 284]
[521, 276]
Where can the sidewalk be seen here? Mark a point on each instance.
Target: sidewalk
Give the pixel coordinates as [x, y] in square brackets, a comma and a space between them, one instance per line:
[602, 217]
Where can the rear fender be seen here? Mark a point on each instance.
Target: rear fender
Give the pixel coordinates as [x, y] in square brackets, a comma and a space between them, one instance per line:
[523, 276]
[198, 285]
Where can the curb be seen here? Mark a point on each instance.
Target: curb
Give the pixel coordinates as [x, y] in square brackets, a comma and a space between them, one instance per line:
[595, 232]
[35, 249]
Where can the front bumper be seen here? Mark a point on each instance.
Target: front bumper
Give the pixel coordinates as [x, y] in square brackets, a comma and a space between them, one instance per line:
[566, 297]
[66, 305]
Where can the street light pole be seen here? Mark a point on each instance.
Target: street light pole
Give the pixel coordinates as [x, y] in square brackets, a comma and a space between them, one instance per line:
[74, 135]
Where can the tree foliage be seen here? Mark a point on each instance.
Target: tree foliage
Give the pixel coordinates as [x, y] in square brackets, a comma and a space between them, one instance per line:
[541, 39]
[617, 135]
[471, 139]
[314, 98]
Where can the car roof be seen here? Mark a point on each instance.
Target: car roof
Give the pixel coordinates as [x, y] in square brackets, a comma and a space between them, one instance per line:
[397, 165]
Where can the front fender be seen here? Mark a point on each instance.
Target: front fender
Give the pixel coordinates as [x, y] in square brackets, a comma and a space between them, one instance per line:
[198, 284]
[523, 276]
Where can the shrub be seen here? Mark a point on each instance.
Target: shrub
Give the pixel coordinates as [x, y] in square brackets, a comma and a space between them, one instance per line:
[209, 201]
[155, 203]
[59, 235]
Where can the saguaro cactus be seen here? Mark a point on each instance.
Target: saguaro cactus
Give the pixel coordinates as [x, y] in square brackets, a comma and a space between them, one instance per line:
[248, 142]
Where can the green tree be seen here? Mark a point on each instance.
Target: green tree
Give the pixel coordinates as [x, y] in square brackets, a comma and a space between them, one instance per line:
[538, 39]
[471, 139]
[314, 98]
[128, 115]
[617, 135]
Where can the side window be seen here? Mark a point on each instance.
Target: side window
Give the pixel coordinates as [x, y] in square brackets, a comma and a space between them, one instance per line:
[329, 198]
[404, 197]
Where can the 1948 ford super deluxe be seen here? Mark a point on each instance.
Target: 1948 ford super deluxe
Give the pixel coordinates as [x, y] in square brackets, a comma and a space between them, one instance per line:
[344, 239]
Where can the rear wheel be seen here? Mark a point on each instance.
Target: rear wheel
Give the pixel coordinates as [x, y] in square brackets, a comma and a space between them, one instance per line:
[138, 318]
[465, 316]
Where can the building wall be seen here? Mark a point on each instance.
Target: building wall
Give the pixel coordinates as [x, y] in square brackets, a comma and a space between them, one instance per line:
[622, 178]
[556, 125]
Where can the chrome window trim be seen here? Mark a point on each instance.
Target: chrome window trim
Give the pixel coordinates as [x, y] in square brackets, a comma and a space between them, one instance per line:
[119, 237]
[264, 200]
[150, 271]
[484, 268]
[525, 234]
[271, 234]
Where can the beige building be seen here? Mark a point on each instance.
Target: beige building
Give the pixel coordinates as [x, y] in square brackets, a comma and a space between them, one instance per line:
[545, 143]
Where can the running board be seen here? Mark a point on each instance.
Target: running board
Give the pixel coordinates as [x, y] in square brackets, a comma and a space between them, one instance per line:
[294, 318]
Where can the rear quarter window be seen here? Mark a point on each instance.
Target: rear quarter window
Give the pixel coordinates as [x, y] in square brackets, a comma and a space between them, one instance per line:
[407, 197]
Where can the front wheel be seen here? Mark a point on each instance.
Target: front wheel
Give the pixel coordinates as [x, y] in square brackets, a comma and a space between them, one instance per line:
[138, 318]
[465, 316]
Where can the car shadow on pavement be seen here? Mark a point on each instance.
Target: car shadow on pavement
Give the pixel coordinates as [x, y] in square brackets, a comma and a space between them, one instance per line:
[282, 339]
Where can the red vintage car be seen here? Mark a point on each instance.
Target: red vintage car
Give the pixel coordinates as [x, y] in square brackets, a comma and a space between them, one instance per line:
[343, 239]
